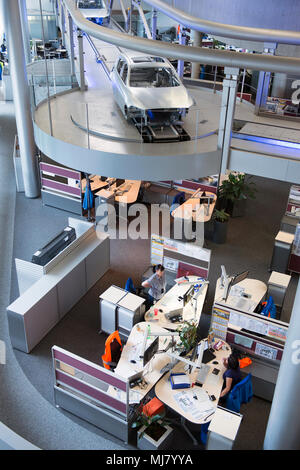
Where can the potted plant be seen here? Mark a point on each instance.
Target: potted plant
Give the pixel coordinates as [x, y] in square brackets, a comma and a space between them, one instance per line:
[188, 335]
[153, 433]
[220, 218]
[234, 192]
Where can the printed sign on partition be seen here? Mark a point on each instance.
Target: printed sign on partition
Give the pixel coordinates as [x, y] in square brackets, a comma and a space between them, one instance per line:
[266, 351]
[220, 319]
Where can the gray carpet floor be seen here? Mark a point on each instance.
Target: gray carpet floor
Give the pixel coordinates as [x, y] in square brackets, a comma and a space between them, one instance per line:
[249, 246]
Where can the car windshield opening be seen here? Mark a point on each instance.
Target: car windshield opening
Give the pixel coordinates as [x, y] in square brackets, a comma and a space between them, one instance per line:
[153, 77]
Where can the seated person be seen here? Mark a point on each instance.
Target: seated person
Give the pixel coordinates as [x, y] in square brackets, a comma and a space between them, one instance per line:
[156, 284]
[231, 377]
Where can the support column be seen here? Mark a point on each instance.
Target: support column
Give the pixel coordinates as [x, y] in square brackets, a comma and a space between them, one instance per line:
[11, 14]
[279, 85]
[62, 24]
[182, 41]
[71, 40]
[283, 430]
[81, 60]
[154, 23]
[197, 42]
[264, 81]
[25, 30]
[227, 114]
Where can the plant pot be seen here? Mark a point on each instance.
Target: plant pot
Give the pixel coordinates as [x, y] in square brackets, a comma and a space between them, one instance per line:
[220, 232]
[160, 436]
[237, 208]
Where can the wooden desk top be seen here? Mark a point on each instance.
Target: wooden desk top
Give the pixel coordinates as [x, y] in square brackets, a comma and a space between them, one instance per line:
[95, 182]
[131, 187]
[192, 208]
[255, 288]
[212, 386]
[169, 302]
[130, 352]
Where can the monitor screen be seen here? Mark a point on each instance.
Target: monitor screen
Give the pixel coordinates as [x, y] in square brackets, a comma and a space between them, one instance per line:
[119, 182]
[150, 351]
[239, 278]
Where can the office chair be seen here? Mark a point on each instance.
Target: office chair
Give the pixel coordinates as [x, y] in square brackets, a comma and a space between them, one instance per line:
[113, 350]
[177, 200]
[241, 393]
[129, 287]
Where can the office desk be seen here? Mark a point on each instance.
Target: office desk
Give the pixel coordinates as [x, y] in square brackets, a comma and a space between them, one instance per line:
[125, 368]
[95, 183]
[193, 209]
[131, 187]
[253, 287]
[169, 302]
[212, 386]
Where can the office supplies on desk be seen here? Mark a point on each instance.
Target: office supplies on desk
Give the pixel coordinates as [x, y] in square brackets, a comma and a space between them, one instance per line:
[179, 380]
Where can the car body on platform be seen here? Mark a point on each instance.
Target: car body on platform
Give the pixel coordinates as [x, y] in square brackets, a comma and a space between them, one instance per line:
[94, 10]
[147, 88]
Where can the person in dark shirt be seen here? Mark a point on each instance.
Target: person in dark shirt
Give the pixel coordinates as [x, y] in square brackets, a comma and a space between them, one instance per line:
[231, 376]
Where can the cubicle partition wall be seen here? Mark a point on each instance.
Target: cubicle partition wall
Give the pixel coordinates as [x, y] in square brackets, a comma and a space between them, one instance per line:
[190, 185]
[48, 292]
[91, 392]
[179, 258]
[61, 187]
[261, 338]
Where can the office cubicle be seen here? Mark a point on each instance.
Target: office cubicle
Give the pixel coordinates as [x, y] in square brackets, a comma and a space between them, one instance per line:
[179, 258]
[92, 393]
[254, 335]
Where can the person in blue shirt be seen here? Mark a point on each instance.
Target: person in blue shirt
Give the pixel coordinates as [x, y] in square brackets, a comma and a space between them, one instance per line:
[231, 376]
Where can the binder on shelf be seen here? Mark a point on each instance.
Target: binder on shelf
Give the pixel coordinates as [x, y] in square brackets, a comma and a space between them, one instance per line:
[180, 380]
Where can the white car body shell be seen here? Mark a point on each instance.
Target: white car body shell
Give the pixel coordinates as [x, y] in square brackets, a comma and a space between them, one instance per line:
[147, 98]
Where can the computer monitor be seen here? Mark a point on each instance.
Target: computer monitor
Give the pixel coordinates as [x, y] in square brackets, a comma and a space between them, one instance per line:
[119, 182]
[188, 295]
[239, 278]
[151, 351]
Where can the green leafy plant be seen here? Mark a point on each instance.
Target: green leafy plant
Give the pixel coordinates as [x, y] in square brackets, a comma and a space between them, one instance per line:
[236, 187]
[154, 425]
[220, 215]
[188, 335]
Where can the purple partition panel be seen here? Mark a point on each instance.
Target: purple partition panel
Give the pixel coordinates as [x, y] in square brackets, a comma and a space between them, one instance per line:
[185, 269]
[90, 391]
[57, 170]
[61, 187]
[89, 369]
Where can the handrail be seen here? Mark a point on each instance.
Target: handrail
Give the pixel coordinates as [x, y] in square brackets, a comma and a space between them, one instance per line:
[268, 63]
[230, 31]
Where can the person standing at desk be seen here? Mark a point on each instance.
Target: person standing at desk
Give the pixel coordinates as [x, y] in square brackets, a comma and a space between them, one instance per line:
[156, 285]
[231, 376]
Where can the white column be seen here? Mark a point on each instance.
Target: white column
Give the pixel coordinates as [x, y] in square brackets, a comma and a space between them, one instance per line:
[262, 92]
[25, 30]
[279, 85]
[227, 114]
[81, 60]
[283, 430]
[11, 14]
[71, 40]
[197, 42]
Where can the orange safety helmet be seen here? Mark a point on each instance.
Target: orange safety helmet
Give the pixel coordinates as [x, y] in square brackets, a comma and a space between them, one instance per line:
[113, 348]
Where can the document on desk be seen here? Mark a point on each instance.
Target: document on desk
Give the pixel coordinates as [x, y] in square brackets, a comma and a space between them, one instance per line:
[199, 409]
